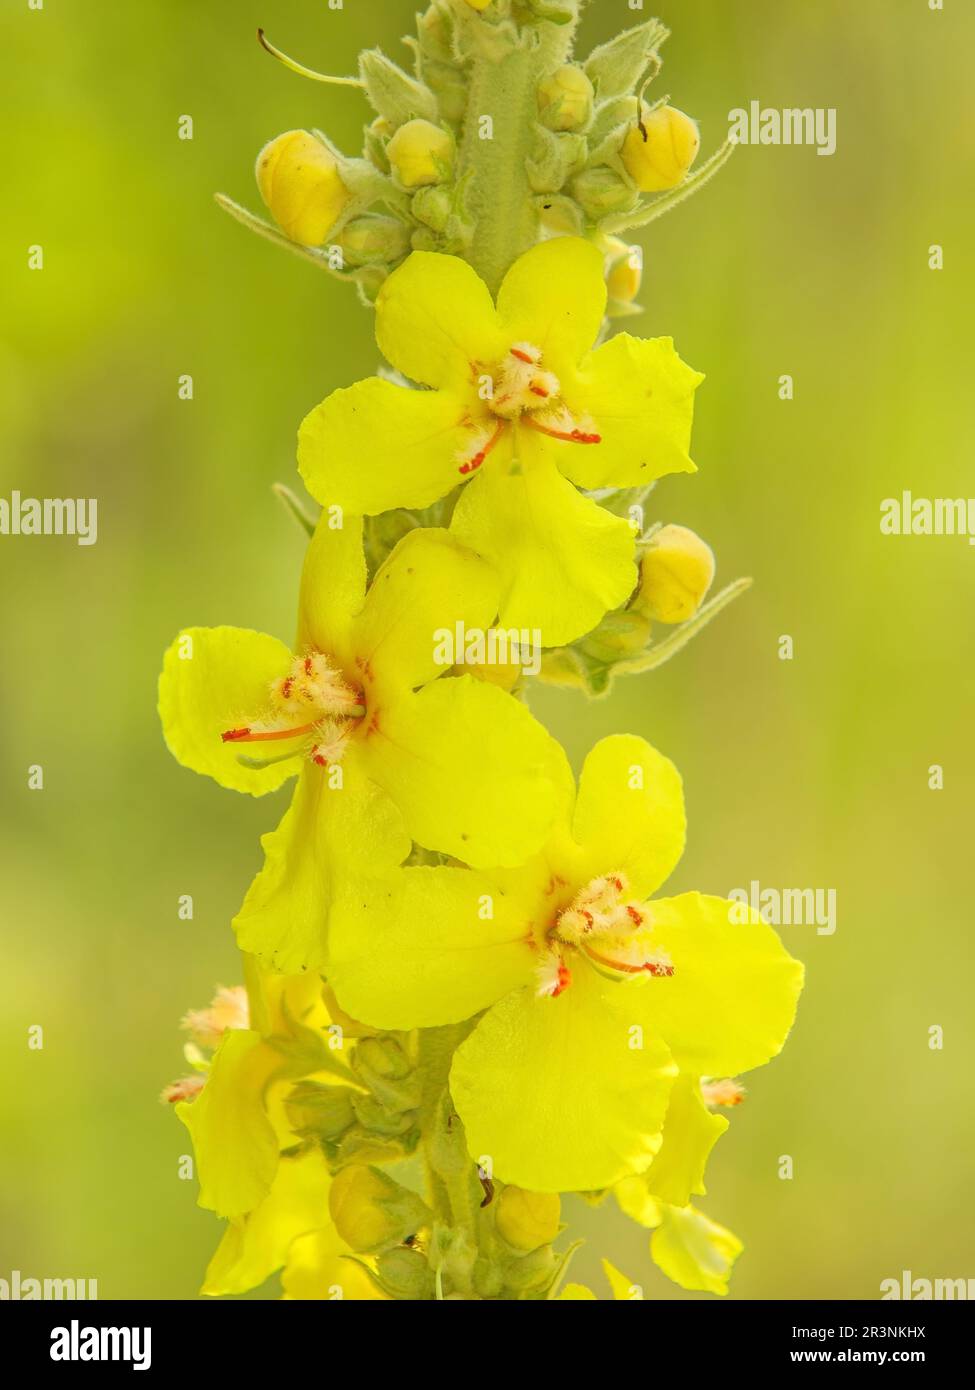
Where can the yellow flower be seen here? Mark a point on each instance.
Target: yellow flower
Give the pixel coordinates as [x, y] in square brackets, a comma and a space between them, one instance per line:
[595, 993]
[387, 746]
[658, 152]
[523, 414]
[300, 181]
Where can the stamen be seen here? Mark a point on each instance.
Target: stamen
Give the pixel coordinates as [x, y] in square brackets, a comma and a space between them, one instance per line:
[266, 735]
[658, 968]
[574, 436]
[186, 1088]
[727, 1092]
[474, 463]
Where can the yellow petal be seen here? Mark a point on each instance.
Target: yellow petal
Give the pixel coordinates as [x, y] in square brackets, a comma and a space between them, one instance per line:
[435, 318]
[564, 562]
[329, 834]
[215, 679]
[624, 1289]
[318, 1270]
[333, 585]
[426, 946]
[474, 775]
[640, 397]
[629, 815]
[732, 998]
[691, 1131]
[694, 1251]
[554, 297]
[555, 1094]
[376, 446]
[429, 584]
[255, 1246]
[234, 1141]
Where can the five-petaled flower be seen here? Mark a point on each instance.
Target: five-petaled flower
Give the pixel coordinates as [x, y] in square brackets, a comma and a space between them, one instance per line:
[387, 747]
[595, 997]
[524, 413]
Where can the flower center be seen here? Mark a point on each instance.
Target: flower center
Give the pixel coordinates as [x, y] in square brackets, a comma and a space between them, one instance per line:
[522, 390]
[613, 933]
[312, 702]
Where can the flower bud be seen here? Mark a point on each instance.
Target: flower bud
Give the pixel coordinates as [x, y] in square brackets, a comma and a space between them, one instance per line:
[434, 29]
[565, 99]
[658, 152]
[531, 1271]
[373, 240]
[618, 636]
[370, 1211]
[478, 4]
[624, 270]
[601, 191]
[527, 1220]
[421, 153]
[559, 215]
[675, 575]
[433, 206]
[301, 184]
[406, 1273]
[319, 1111]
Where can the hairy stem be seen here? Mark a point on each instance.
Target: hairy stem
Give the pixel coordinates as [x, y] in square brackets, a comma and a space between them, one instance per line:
[499, 133]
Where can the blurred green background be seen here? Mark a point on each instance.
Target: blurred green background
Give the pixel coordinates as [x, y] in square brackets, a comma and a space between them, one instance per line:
[804, 773]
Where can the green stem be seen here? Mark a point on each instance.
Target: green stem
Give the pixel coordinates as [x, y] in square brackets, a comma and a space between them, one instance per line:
[504, 80]
[435, 1053]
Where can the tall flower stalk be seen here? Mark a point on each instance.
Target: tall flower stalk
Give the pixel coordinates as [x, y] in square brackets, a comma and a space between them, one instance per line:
[463, 996]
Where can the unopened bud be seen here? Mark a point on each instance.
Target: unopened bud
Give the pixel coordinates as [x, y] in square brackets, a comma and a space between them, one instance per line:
[433, 206]
[559, 215]
[601, 191]
[659, 150]
[301, 184]
[531, 1271]
[527, 1220]
[624, 270]
[565, 99]
[373, 240]
[315, 1110]
[675, 575]
[433, 29]
[371, 1212]
[479, 4]
[406, 1273]
[421, 153]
